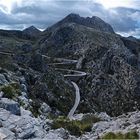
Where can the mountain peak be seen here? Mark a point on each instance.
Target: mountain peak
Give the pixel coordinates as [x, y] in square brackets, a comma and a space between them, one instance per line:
[32, 30]
[73, 15]
[92, 22]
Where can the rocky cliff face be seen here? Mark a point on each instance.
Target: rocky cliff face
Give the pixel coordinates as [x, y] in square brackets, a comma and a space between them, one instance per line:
[72, 35]
[93, 22]
[110, 61]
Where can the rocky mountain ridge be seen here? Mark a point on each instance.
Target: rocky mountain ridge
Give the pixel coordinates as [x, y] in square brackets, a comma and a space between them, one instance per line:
[93, 22]
[36, 76]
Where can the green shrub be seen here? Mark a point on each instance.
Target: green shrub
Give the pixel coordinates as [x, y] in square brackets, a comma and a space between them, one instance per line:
[75, 127]
[132, 135]
[8, 91]
[15, 86]
[21, 103]
[90, 118]
[119, 135]
[11, 90]
[34, 112]
[35, 108]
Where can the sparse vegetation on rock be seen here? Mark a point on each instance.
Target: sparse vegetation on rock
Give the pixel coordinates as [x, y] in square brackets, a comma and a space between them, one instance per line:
[11, 90]
[75, 127]
[121, 136]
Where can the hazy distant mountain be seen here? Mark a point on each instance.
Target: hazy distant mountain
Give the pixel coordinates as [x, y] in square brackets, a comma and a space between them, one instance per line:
[33, 31]
[132, 44]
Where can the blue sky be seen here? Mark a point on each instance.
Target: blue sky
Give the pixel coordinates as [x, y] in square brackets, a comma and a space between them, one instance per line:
[123, 15]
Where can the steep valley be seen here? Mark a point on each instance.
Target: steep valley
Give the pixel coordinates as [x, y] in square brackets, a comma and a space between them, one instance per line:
[77, 79]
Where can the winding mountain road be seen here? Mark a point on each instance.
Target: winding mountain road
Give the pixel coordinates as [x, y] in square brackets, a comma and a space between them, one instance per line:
[73, 75]
[7, 53]
[77, 100]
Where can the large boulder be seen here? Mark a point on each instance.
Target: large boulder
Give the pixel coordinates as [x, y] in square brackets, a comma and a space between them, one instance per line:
[3, 79]
[45, 109]
[10, 105]
[6, 134]
[58, 134]
[20, 127]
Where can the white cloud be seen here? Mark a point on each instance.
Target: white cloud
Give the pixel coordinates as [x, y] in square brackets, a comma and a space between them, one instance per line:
[7, 5]
[135, 16]
[119, 3]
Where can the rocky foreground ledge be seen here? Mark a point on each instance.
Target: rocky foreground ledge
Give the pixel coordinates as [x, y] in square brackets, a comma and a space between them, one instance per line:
[25, 126]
